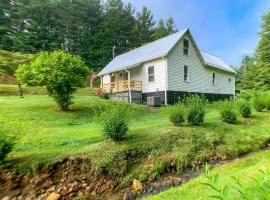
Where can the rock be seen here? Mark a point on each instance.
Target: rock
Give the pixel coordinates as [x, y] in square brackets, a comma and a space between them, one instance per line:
[137, 185]
[6, 198]
[150, 179]
[53, 196]
[129, 196]
[93, 193]
[177, 181]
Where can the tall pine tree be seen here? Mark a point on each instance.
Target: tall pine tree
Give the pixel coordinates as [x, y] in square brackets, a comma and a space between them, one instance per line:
[263, 55]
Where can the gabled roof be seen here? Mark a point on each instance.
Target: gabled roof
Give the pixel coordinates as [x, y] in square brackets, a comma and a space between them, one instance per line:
[155, 50]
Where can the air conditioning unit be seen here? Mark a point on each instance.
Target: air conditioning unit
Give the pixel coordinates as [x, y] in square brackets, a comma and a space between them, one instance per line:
[154, 101]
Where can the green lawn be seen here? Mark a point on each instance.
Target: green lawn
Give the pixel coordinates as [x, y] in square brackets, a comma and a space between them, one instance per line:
[46, 135]
[246, 168]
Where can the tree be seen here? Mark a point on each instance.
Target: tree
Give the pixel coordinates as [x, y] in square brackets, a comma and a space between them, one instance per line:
[9, 63]
[61, 73]
[160, 30]
[244, 77]
[144, 26]
[262, 55]
[163, 29]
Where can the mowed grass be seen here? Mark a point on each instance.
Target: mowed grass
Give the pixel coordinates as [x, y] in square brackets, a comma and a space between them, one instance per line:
[246, 169]
[45, 135]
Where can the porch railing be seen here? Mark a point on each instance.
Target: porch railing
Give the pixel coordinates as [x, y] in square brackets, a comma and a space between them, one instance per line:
[122, 86]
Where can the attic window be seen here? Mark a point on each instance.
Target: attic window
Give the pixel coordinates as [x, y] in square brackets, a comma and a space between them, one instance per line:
[186, 46]
[151, 74]
[230, 80]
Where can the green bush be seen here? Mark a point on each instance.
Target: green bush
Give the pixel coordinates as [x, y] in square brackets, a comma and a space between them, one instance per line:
[195, 109]
[228, 112]
[5, 147]
[177, 114]
[245, 109]
[115, 120]
[259, 102]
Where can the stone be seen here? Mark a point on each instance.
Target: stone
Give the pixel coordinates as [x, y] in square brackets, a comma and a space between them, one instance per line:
[150, 179]
[53, 196]
[93, 193]
[129, 196]
[177, 181]
[5, 198]
[137, 185]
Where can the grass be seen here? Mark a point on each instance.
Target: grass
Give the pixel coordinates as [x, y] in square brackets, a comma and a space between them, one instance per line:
[46, 135]
[246, 168]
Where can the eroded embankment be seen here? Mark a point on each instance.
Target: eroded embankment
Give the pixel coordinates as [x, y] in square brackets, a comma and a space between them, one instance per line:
[76, 177]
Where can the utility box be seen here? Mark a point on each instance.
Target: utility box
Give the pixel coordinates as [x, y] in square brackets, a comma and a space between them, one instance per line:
[154, 101]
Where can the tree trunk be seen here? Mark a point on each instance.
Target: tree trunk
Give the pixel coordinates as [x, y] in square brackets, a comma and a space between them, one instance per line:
[20, 90]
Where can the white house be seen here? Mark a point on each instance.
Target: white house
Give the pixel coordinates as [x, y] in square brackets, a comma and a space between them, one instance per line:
[169, 67]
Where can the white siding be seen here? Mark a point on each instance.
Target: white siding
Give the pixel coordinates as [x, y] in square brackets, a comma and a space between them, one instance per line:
[106, 79]
[141, 74]
[200, 77]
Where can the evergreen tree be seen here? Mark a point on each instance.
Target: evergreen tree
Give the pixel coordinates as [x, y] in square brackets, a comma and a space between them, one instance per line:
[144, 26]
[5, 24]
[160, 30]
[163, 29]
[262, 55]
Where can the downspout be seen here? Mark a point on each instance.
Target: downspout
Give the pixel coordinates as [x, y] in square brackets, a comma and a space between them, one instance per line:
[129, 87]
[101, 81]
[166, 79]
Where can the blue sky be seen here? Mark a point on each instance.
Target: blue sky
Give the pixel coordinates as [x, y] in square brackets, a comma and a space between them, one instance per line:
[226, 28]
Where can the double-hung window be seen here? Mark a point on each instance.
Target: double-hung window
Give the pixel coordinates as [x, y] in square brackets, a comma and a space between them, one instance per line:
[186, 46]
[151, 74]
[186, 73]
[213, 78]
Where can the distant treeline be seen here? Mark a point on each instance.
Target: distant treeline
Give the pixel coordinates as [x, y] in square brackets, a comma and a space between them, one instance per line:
[89, 28]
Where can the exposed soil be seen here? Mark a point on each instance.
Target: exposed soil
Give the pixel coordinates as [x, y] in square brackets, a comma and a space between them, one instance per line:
[74, 177]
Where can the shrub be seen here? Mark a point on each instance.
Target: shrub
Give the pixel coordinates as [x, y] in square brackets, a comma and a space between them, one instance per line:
[259, 102]
[228, 112]
[61, 73]
[177, 114]
[5, 147]
[245, 109]
[102, 94]
[115, 120]
[195, 109]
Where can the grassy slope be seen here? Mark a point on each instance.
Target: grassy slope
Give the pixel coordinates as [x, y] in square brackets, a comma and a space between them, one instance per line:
[245, 168]
[47, 135]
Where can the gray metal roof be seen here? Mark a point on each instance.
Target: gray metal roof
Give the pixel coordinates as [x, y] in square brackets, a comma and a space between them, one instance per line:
[154, 50]
[216, 62]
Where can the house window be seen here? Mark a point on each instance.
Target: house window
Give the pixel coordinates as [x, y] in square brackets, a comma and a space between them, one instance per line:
[213, 78]
[186, 73]
[151, 74]
[186, 46]
[112, 78]
[230, 80]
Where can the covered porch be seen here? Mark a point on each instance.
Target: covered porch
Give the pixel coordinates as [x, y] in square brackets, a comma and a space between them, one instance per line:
[122, 85]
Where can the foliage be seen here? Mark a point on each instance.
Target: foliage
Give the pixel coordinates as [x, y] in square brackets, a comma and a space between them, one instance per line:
[259, 102]
[260, 189]
[196, 108]
[246, 95]
[61, 73]
[177, 114]
[88, 28]
[228, 112]
[115, 120]
[164, 29]
[245, 108]
[102, 94]
[5, 147]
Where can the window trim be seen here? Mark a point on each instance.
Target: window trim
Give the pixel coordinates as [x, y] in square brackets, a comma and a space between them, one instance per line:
[185, 47]
[186, 74]
[213, 78]
[152, 75]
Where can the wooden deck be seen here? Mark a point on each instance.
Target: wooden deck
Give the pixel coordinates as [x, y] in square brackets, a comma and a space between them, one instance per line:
[122, 86]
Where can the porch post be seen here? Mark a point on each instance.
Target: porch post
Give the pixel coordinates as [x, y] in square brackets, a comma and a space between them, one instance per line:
[101, 81]
[129, 87]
